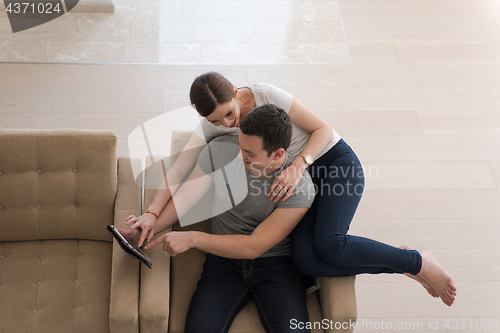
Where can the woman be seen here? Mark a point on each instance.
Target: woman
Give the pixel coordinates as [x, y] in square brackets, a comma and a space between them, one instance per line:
[320, 244]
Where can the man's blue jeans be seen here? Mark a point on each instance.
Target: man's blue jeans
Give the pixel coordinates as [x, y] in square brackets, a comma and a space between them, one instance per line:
[226, 285]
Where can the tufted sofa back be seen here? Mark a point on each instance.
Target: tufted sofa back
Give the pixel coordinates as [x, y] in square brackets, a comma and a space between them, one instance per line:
[57, 184]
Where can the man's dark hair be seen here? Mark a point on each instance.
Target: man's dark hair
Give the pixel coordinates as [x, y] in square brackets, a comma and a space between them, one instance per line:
[271, 123]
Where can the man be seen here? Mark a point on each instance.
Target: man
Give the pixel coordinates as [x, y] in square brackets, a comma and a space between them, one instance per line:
[248, 252]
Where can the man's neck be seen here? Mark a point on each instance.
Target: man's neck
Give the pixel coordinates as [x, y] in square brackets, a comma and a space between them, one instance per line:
[269, 169]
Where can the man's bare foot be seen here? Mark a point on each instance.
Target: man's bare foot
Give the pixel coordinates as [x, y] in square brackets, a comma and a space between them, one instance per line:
[419, 279]
[437, 277]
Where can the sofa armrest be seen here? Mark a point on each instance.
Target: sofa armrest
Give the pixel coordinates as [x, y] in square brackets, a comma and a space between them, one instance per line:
[337, 297]
[124, 303]
[154, 305]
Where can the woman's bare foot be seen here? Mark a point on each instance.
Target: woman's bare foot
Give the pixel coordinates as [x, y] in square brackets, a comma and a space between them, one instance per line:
[419, 279]
[437, 277]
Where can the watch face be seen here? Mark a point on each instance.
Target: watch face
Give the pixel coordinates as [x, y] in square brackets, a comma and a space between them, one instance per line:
[309, 159]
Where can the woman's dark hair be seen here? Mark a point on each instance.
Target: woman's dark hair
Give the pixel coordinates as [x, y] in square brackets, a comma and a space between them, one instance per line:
[208, 90]
[271, 123]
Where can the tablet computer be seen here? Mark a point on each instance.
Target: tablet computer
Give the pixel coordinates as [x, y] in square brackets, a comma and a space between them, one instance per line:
[129, 246]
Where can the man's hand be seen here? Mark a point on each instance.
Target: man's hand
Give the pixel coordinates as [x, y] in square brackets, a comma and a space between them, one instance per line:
[174, 242]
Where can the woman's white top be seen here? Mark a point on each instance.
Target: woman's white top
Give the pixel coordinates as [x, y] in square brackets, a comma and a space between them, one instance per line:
[265, 93]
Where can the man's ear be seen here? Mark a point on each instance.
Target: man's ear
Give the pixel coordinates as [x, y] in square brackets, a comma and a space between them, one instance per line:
[278, 154]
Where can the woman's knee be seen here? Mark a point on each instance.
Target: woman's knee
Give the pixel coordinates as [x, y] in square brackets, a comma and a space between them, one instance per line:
[331, 249]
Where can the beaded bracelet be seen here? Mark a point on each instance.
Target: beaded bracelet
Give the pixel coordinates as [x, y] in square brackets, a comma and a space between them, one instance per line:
[152, 213]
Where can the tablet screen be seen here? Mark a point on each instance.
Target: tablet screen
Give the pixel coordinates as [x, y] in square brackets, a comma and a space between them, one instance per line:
[126, 241]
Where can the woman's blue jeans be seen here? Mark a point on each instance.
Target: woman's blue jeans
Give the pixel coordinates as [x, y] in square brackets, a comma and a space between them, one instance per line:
[226, 285]
[320, 244]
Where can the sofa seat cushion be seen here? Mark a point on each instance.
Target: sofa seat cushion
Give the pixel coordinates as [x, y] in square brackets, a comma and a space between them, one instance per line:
[55, 286]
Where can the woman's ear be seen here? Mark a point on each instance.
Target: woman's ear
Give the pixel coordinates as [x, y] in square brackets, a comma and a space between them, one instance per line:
[235, 91]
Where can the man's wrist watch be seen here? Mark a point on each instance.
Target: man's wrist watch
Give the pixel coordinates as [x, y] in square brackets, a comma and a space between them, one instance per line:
[307, 158]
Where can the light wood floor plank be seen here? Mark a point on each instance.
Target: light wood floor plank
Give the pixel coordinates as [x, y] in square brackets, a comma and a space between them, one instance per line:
[428, 204]
[463, 265]
[436, 52]
[431, 233]
[379, 75]
[387, 31]
[45, 120]
[368, 123]
[426, 148]
[460, 122]
[111, 76]
[495, 169]
[175, 98]
[373, 53]
[397, 300]
[122, 123]
[427, 175]
[80, 100]
[496, 94]
[423, 10]
[395, 98]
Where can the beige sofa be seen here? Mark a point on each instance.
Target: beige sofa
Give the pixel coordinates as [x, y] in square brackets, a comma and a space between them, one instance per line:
[60, 271]
[171, 283]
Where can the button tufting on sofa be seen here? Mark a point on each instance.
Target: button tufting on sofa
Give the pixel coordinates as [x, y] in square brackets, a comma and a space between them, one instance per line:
[39, 274]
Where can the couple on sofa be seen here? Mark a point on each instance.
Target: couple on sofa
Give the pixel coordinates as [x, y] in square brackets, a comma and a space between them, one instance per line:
[303, 185]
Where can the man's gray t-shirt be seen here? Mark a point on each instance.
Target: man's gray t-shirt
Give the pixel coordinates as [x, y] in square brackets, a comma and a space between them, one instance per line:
[240, 201]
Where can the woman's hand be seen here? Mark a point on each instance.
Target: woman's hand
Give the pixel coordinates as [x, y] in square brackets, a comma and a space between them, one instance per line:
[147, 223]
[133, 234]
[285, 183]
[174, 242]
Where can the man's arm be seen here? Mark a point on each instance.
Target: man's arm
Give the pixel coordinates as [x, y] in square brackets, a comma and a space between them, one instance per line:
[269, 233]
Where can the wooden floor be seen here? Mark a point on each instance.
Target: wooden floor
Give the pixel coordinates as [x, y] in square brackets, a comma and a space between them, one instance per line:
[420, 105]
